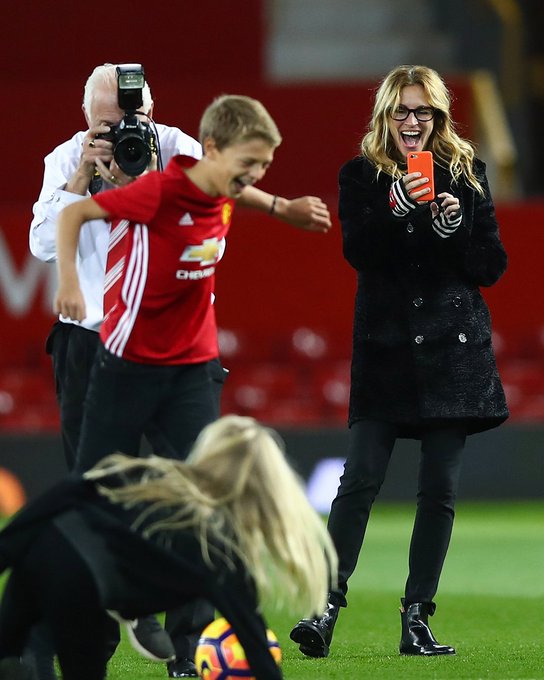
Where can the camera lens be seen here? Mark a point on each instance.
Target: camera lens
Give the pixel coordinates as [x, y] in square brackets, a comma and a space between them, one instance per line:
[132, 154]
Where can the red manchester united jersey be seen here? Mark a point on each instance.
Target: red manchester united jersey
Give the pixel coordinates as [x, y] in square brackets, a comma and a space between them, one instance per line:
[164, 312]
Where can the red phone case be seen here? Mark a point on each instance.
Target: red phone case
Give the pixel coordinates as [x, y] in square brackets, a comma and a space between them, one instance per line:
[422, 161]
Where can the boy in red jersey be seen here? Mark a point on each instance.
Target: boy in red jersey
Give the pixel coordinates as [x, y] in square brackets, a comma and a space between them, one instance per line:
[158, 359]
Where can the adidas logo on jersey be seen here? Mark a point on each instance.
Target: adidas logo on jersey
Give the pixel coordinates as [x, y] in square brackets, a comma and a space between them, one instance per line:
[186, 220]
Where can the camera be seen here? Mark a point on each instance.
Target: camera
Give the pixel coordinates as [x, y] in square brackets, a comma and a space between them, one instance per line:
[133, 141]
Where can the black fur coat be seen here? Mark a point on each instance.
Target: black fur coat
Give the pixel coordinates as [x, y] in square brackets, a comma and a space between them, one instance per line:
[422, 351]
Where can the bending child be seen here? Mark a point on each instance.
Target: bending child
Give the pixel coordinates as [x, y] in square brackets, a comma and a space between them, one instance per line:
[136, 535]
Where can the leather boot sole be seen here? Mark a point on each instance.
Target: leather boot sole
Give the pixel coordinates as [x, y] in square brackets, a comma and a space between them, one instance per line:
[310, 640]
[421, 651]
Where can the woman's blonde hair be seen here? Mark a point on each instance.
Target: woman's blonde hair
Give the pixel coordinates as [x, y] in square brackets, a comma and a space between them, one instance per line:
[449, 149]
[236, 489]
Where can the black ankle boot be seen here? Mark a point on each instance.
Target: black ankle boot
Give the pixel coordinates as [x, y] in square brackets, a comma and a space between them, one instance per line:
[417, 638]
[314, 635]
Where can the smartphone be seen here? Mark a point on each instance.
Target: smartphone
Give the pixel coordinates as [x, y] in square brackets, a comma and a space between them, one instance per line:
[422, 161]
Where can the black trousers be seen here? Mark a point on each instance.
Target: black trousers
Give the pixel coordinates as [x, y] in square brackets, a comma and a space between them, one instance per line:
[54, 586]
[126, 399]
[168, 404]
[72, 349]
[369, 451]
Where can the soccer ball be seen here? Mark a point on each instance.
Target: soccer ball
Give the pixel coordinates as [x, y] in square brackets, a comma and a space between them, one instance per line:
[220, 656]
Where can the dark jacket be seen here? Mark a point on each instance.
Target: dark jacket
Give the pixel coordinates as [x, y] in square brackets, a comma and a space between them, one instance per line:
[138, 576]
[422, 353]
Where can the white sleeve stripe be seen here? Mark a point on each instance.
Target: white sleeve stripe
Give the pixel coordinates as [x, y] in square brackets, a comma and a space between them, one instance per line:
[402, 203]
[441, 230]
[406, 199]
[450, 220]
[398, 209]
[447, 227]
[401, 198]
[454, 220]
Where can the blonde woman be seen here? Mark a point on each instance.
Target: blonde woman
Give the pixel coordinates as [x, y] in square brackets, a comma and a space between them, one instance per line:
[422, 365]
[231, 524]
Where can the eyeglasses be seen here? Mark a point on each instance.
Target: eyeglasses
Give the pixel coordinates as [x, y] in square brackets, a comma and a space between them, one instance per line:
[422, 113]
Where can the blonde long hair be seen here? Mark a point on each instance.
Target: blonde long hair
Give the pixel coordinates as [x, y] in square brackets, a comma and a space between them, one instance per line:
[449, 149]
[238, 488]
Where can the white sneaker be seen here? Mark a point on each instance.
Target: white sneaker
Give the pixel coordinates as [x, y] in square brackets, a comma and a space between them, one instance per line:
[147, 637]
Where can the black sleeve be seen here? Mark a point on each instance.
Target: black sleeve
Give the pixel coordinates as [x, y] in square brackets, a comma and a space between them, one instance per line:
[23, 528]
[475, 246]
[237, 602]
[362, 237]
[485, 258]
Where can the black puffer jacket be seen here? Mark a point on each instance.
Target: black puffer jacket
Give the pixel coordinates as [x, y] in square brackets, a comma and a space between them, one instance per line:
[422, 351]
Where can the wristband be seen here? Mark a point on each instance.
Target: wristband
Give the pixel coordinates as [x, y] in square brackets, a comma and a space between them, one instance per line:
[273, 206]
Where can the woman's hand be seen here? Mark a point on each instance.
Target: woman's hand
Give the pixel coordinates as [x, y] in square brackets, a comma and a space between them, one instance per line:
[412, 181]
[401, 200]
[449, 205]
[446, 216]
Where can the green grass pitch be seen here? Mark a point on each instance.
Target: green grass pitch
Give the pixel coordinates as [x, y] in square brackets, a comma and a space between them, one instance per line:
[490, 604]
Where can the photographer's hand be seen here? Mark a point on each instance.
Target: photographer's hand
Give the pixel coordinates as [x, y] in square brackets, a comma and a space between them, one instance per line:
[92, 150]
[69, 300]
[113, 174]
[153, 164]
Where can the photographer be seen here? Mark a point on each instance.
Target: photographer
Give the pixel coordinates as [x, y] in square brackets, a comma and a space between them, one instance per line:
[76, 167]
[82, 165]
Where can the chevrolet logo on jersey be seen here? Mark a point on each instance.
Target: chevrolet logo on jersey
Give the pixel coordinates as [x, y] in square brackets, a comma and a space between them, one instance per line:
[207, 252]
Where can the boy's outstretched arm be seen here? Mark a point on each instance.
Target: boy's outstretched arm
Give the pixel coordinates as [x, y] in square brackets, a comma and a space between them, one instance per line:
[306, 212]
[69, 300]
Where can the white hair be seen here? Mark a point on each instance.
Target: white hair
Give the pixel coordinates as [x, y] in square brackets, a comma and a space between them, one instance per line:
[106, 75]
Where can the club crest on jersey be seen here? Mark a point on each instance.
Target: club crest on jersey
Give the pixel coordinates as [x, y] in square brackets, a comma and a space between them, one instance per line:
[226, 213]
[206, 253]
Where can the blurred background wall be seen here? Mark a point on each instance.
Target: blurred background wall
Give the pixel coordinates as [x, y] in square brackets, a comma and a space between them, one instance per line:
[284, 298]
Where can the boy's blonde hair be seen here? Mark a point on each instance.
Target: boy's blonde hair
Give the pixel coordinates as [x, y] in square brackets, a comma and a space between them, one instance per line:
[449, 149]
[237, 490]
[234, 119]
